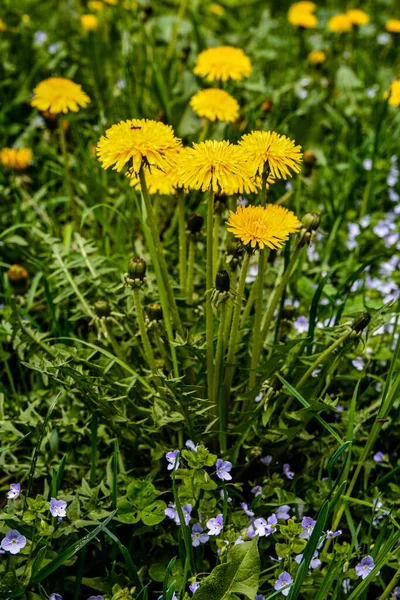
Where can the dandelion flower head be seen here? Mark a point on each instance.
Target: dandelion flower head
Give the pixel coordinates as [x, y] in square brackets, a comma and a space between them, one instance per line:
[223, 63]
[136, 142]
[340, 23]
[303, 6]
[95, 5]
[262, 226]
[302, 19]
[217, 9]
[393, 25]
[12, 158]
[215, 104]
[59, 95]
[394, 93]
[89, 22]
[267, 148]
[316, 57]
[358, 17]
[158, 182]
[3, 26]
[218, 166]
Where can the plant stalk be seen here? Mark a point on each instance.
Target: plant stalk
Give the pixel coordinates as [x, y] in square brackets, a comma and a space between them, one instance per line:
[209, 285]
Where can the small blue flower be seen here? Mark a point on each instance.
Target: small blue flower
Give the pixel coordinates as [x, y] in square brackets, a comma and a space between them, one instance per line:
[13, 542]
[15, 490]
[194, 586]
[332, 534]
[267, 460]
[259, 597]
[222, 469]
[286, 469]
[173, 462]
[284, 580]
[379, 456]
[55, 596]
[256, 490]
[245, 507]
[358, 363]
[364, 568]
[301, 325]
[198, 537]
[58, 508]
[215, 525]
[315, 562]
[95, 598]
[283, 512]
[191, 445]
[40, 38]
[308, 525]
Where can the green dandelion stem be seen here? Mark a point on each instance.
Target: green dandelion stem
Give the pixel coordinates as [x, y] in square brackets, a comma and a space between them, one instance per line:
[230, 367]
[217, 224]
[259, 287]
[68, 180]
[182, 239]
[190, 271]
[277, 293]
[160, 253]
[209, 285]
[148, 350]
[228, 320]
[218, 393]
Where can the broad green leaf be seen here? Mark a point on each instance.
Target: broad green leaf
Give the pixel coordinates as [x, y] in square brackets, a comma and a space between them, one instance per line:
[154, 513]
[240, 575]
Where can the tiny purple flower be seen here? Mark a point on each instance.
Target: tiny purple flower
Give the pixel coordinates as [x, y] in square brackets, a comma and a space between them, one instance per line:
[332, 534]
[95, 598]
[358, 363]
[222, 494]
[187, 511]
[222, 469]
[346, 585]
[13, 542]
[364, 568]
[267, 460]
[171, 512]
[308, 526]
[215, 525]
[259, 397]
[194, 586]
[191, 445]
[283, 512]
[55, 597]
[198, 537]
[379, 456]
[315, 562]
[284, 580]
[15, 490]
[172, 459]
[259, 597]
[286, 469]
[58, 508]
[301, 325]
[245, 507]
[256, 490]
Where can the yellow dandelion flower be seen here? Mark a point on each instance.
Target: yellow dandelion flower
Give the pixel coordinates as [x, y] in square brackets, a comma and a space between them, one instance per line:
[357, 17]
[340, 23]
[316, 57]
[267, 148]
[303, 6]
[394, 93]
[302, 19]
[95, 5]
[262, 226]
[223, 63]
[159, 182]
[16, 159]
[215, 104]
[25, 19]
[393, 25]
[218, 166]
[59, 95]
[217, 9]
[129, 5]
[3, 26]
[136, 142]
[111, 2]
[89, 22]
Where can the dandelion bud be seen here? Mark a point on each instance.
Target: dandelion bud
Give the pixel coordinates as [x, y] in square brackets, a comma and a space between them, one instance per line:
[222, 281]
[102, 308]
[311, 221]
[361, 322]
[17, 277]
[154, 312]
[195, 223]
[309, 158]
[137, 268]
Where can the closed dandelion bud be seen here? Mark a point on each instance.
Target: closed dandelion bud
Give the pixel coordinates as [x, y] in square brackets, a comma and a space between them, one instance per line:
[222, 281]
[309, 158]
[195, 223]
[361, 322]
[17, 277]
[137, 268]
[311, 221]
[102, 308]
[266, 106]
[154, 312]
